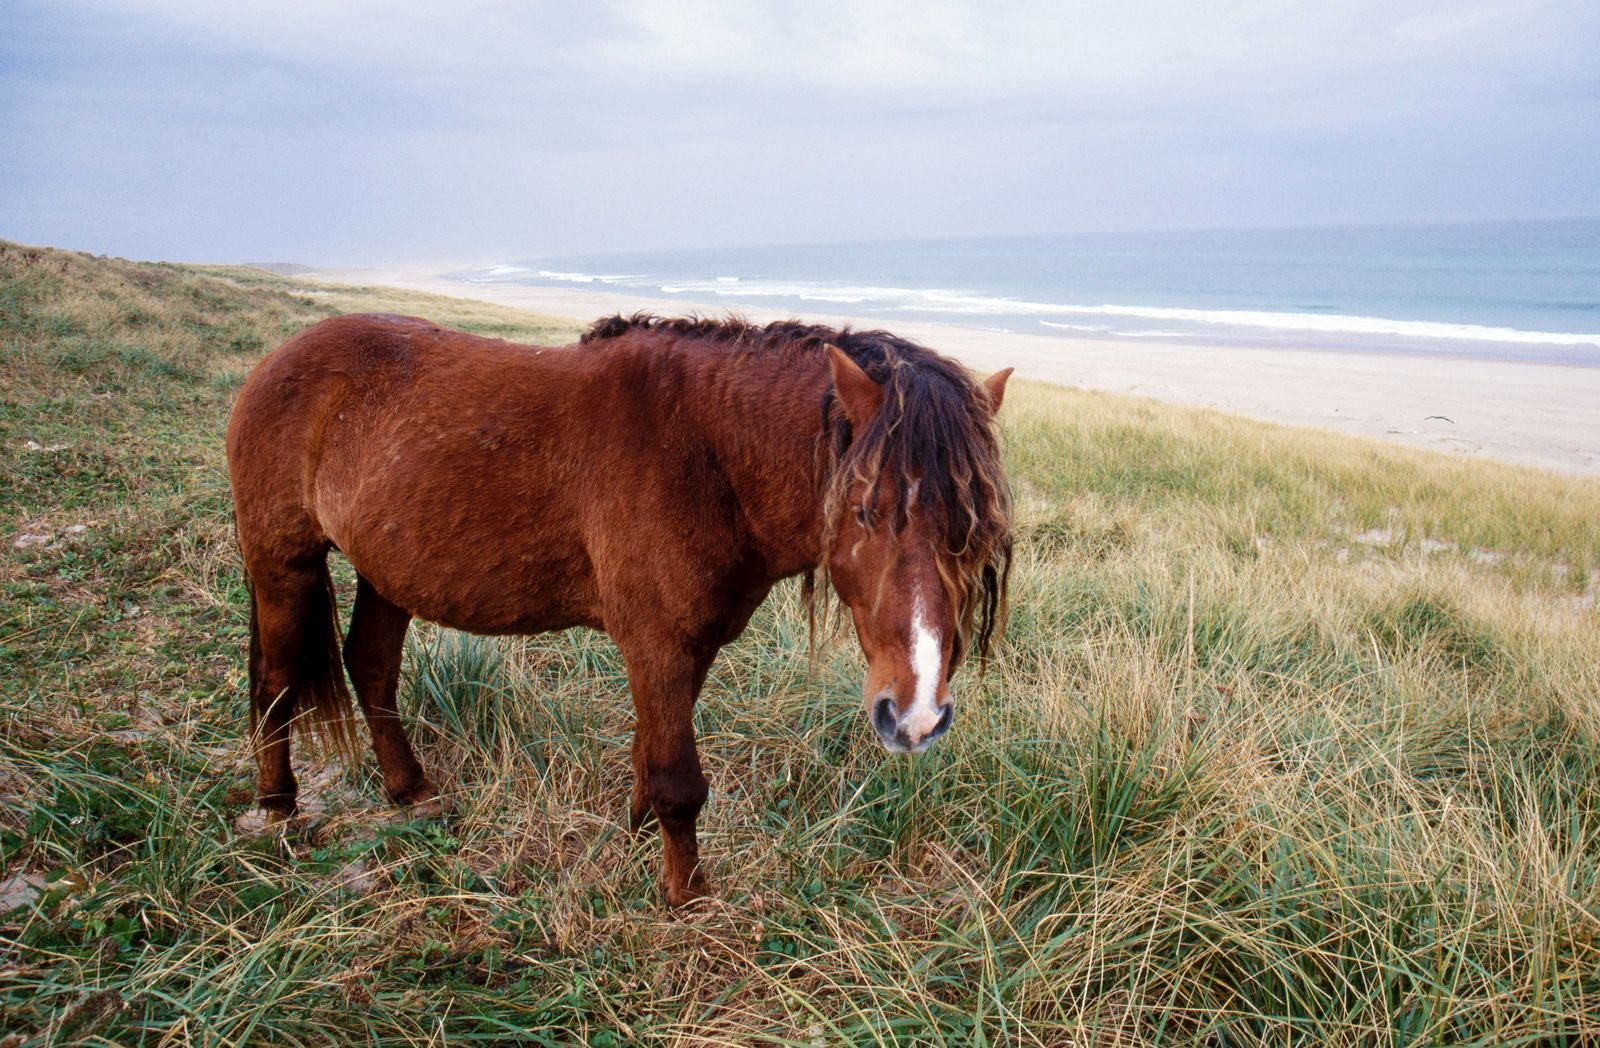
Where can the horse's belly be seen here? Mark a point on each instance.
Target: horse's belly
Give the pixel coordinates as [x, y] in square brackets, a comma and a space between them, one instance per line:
[481, 586]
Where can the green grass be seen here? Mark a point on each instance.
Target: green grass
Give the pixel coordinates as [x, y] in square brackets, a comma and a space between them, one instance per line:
[1293, 740]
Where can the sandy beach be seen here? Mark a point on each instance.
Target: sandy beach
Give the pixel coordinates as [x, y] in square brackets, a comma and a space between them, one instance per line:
[1545, 415]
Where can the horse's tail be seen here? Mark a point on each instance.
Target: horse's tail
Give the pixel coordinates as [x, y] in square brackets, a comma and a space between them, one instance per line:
[317, 690]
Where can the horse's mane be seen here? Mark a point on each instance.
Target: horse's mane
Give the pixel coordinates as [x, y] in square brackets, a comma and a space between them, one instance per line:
[935, 443]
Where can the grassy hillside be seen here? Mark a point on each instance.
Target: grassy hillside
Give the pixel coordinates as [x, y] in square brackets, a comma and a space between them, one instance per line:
[1293, 739]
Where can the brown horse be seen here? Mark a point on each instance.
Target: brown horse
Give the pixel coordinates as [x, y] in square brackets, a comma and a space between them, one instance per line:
[654, 481]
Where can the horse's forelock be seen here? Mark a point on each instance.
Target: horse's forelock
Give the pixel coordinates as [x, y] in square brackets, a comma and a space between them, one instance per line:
[934, 443]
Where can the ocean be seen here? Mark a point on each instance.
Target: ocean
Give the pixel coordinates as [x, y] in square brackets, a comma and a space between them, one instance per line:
[1504, 290]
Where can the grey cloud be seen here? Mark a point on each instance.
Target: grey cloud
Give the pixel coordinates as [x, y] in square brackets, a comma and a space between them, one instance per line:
[369, 131]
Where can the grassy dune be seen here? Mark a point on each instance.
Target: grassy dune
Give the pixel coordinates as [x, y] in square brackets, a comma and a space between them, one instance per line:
[1294, 738]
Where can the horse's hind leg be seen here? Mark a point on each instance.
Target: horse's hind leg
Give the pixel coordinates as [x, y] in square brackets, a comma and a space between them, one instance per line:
[372, 655]
[294, 668]
[271, 706]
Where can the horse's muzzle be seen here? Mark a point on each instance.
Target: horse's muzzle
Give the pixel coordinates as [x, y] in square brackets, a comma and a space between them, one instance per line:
[892, 727]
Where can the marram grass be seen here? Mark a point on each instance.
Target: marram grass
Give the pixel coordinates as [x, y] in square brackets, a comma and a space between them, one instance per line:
[1293, 740]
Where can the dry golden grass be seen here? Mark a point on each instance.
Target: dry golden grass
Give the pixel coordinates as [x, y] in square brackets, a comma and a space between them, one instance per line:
[1293, 739]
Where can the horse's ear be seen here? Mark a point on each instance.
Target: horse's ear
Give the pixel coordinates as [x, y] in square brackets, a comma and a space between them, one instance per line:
[858, 394]
[995, 386]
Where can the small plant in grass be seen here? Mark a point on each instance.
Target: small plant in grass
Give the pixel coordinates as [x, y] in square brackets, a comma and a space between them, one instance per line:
[457, 688]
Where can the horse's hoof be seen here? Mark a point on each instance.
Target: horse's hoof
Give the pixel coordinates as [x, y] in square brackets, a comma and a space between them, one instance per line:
[262, 820]
[419, 800]
[253, 822]
[681, 896]
[435, 807]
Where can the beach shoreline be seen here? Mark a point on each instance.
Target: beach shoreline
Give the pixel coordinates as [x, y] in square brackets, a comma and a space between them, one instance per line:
[1533, 413]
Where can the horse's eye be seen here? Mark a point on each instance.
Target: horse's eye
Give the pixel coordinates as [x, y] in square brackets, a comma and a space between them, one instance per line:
[861, 515]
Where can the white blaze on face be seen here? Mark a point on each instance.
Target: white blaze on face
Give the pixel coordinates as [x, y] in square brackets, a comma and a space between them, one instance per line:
[926, 656]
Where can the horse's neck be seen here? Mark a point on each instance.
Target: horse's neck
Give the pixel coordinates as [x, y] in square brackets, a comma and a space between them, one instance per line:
[763, 416]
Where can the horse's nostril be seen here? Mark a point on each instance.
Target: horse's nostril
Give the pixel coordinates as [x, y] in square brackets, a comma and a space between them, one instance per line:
[885, 715]
[946, 715]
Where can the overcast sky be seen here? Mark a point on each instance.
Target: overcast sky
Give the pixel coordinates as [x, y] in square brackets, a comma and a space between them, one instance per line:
[379, 131]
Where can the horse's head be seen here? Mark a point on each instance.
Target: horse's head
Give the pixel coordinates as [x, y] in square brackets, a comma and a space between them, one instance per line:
[916, 535]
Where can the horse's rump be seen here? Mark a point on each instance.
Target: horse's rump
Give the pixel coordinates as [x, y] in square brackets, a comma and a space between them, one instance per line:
[444, 466]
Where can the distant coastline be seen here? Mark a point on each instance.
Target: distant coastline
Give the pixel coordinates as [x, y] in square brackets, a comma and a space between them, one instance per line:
[1501, 291]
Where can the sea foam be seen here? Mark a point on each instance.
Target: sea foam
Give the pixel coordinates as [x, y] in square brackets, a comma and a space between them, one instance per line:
[1334, 324]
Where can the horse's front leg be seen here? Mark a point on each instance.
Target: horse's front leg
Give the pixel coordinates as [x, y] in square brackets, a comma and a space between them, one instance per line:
[667, 781]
